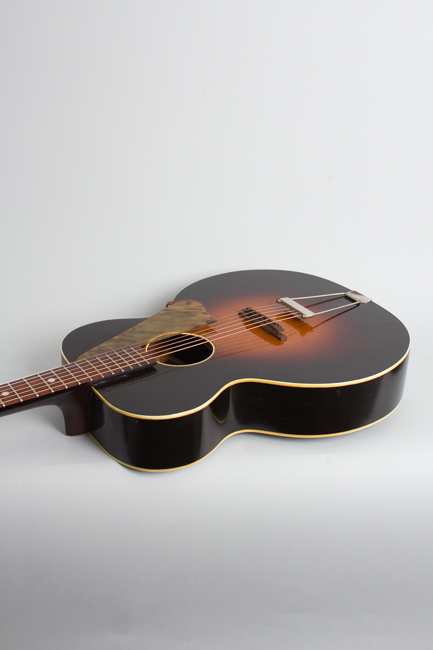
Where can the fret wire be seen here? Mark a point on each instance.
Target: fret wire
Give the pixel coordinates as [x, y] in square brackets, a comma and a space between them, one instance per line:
[98, 371]
[80, 363]
[2, 387]
[20, 389]
[37, 394]
[120, 357]
[72, 375]
[110, 358]
[59, 378]
[128, 363]
[10, 400]
[82, 370]
[130, 355]
[122, 365]
[45, 382]
[115, 362]
[130, 352]
[137, 361]
[140, 352]
[113, 367]
[51, 382]
[104, 364]
[65, 369]
[26, 394]
[39, 384]
[17, 394]
[37, 380]
[142, 355]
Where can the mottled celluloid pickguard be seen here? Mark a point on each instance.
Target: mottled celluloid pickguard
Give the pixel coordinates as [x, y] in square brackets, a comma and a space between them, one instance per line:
[182, 316]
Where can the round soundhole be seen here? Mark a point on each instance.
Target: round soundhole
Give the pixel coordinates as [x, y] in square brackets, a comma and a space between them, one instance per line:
[180, 349]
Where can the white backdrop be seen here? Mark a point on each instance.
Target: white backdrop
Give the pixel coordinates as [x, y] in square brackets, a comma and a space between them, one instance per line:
[145, 146]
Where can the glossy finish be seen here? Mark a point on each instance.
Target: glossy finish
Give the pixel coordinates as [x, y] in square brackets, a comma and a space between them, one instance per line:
[335, 373]
[74, 404]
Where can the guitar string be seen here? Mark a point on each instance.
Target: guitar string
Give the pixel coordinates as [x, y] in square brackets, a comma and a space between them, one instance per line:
[234, 330]
[347, 308]
[241, 329]
[201, 331]
[275, 305]
[222, 333]
[218, 320]
[142, 356]
[162, 346]
[26, 395]
[38, 384]
[160, 351]
[286, 316]
[331, 296]
[274, 308]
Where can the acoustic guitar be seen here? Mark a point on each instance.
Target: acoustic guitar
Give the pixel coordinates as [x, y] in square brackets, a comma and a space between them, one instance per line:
[272, 352]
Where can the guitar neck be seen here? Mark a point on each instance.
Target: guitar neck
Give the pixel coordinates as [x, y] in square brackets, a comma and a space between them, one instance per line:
[82, 372]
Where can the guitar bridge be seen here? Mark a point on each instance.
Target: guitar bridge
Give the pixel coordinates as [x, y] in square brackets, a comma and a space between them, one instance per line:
[263, 322]
[355, 297]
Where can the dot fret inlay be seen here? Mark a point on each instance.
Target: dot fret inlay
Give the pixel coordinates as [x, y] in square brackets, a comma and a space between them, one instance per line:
[65, 377]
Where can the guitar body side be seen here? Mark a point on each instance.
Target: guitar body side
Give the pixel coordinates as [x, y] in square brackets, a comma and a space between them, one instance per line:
[165, 444]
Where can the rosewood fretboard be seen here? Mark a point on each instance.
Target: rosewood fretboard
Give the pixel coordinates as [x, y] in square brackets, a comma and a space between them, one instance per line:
[85, 371]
